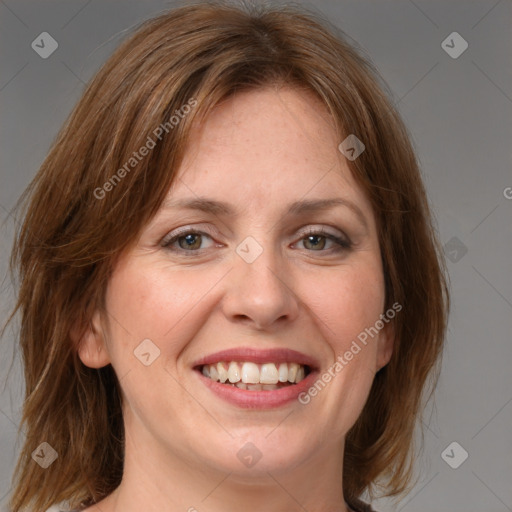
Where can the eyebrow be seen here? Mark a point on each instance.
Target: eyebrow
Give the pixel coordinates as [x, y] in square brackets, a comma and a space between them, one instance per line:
[294, 209]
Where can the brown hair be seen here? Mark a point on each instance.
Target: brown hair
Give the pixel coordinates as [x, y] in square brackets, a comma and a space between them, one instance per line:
[72, 232]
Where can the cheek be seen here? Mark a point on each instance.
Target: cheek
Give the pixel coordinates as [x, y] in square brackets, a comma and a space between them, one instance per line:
[346, 301]
[152, 301]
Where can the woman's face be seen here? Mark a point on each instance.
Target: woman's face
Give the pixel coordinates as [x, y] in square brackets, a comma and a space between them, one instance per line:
[262, 280]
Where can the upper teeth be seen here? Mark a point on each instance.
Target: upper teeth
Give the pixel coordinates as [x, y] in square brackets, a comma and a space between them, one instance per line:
[252, 373]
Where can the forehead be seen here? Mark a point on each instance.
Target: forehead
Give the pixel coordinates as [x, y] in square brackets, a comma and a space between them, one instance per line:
[267, 148]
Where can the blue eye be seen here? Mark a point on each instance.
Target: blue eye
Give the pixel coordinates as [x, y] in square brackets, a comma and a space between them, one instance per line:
[189, 242]
[318, 238]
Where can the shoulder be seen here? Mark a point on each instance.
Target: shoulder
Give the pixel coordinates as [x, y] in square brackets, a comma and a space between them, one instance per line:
[60, 508]
[57, 509]
[361, 506]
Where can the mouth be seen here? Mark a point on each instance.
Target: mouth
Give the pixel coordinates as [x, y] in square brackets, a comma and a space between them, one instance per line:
[253, 378]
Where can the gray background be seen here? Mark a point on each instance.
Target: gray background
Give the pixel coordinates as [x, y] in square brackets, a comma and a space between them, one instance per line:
[458, 112]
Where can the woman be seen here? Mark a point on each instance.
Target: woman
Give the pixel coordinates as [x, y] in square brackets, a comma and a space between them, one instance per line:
[231, 288]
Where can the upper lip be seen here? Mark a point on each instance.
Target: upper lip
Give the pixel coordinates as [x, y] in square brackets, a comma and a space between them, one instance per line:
[275, 355]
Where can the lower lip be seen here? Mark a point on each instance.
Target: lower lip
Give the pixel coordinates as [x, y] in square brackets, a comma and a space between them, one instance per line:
[258, 399]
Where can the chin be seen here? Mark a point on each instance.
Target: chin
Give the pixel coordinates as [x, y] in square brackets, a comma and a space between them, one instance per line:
[258, 451]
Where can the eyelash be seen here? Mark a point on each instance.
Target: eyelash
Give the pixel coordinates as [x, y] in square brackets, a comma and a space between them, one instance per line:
[343, 244]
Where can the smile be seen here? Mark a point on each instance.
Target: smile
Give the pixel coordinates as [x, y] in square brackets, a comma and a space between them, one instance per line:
[256, 377]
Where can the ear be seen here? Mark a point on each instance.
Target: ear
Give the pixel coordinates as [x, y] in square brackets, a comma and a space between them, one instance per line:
[385, 346]
[90, 343]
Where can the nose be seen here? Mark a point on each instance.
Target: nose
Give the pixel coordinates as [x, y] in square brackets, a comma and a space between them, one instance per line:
[260, 293]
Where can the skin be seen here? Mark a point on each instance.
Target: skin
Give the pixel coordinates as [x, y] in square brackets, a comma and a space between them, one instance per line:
[259, 152]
